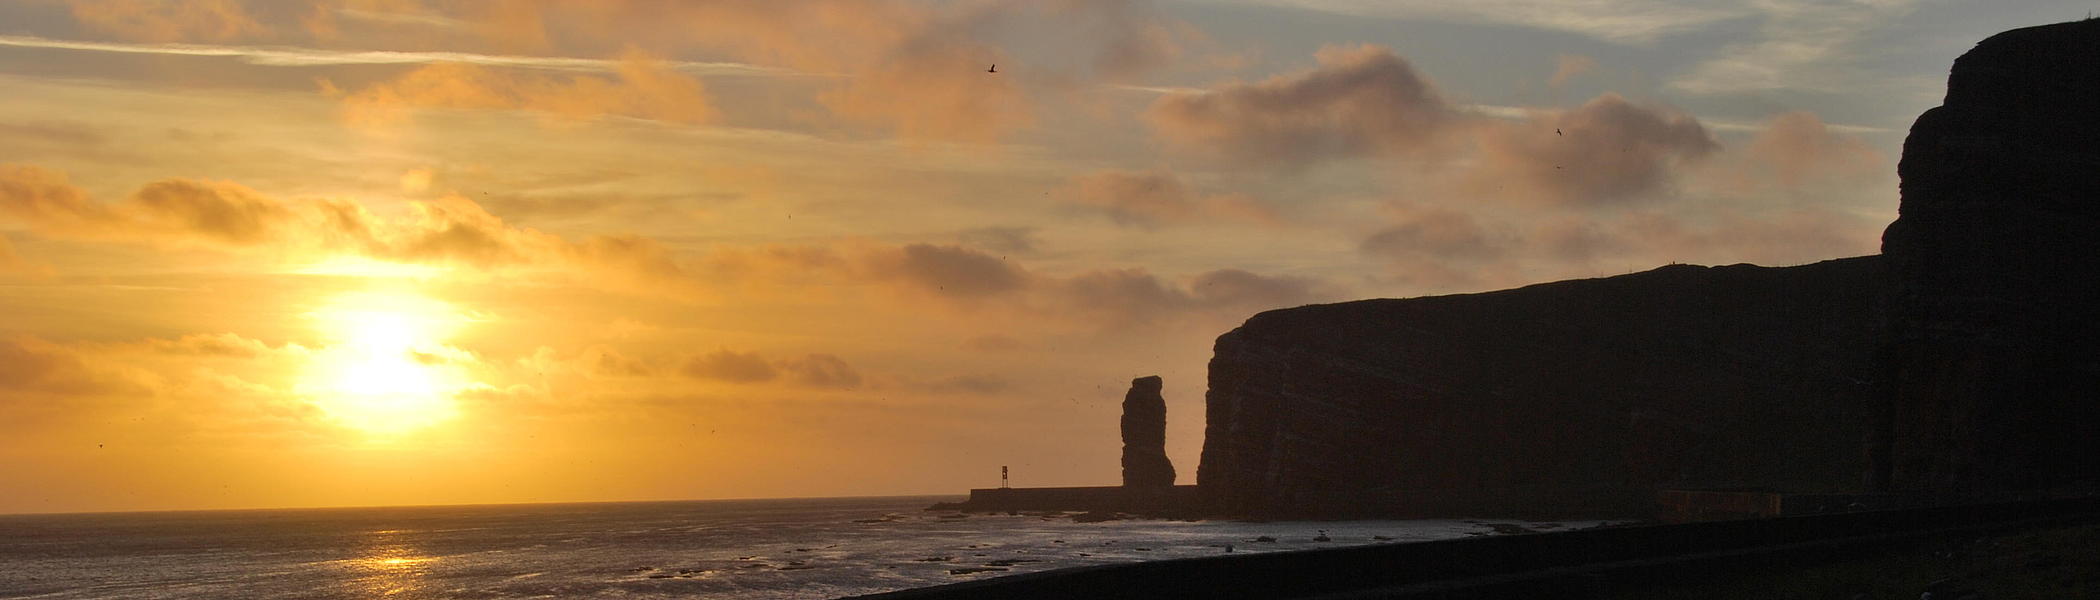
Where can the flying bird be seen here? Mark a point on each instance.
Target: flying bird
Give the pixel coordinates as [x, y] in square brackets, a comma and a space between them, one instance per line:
[1556, 131]
[994, 69]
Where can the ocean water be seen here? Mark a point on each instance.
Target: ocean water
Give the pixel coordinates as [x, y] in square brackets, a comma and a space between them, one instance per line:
[800, 548]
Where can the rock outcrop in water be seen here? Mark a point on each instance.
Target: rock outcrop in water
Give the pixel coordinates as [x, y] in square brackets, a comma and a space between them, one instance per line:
[1145, 461]
[1964, 360]
[1994, 337]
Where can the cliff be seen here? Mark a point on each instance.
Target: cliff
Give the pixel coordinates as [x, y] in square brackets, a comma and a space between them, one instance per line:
[1683, 376]
[1992, 338]
[1960, 362]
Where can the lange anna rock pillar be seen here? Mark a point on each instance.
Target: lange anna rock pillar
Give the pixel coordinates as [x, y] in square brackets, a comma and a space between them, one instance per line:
[1145, 461]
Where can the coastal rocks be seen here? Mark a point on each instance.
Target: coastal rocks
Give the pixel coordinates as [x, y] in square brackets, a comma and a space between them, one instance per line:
[1994, 321]
[1568, 397]
[1145, 461]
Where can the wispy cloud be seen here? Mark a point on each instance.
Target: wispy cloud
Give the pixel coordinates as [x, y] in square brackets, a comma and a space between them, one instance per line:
[1801, 45]
[294, 56]
[1622, 21]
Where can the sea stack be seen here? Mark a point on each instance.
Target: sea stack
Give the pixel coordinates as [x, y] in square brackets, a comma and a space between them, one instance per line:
[1145, 461]
[1994, 317]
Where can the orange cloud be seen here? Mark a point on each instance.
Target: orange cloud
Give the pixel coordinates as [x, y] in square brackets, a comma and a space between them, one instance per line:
[1153, 198]
[1358, 101]
[951, 271]
[644, 88]
[1434, 235]
[813, 370]
[731, 366]
[12, 262]
[821, 370]
[1127, 297]
[1797, 149]
[1607, 150]
[220, 213]
[913, 69]
[454, 231]
[1567, 67]
[935, 92]
[449, 230]
[29, 364]
[168, 20]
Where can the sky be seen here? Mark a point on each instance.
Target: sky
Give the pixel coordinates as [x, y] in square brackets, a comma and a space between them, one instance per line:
[297, 253]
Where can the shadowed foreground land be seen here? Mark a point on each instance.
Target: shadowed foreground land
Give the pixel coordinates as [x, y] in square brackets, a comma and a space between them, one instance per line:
[1889, 551]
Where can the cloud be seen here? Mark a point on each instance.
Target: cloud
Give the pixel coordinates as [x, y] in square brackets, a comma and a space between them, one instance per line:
[1567, 67]
[601, 361]
[952, 271]
[29, 364]
[1235, 288]
[209, 344]
[730, 366]
[292, 56]
[644, 88]
[1154, 198]
[1005, 240]
[179, 210]
[1623, 21]
[1801, 45]
[11, 262]
[222, 212]
[935, 90]
[65, 133]
[168, 20]
[1359, 101]
[1797, 149]
[821, 370]
[1127, 297]
[817, 370]
[965, 384]
[1129, 38]
[909, 69]
[1434, 235]
[1607, 150]
[444, 231]
[992, 343]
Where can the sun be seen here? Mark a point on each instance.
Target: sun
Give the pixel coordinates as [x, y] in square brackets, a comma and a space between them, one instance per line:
[385, 368]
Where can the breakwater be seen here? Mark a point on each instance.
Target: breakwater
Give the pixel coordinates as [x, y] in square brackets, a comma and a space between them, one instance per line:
[1179, 498]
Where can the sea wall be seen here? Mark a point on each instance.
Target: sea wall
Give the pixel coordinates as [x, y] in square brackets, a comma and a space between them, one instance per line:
[1108, 498]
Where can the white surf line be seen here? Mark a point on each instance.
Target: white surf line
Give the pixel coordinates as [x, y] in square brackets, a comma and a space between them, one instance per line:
[294, 56]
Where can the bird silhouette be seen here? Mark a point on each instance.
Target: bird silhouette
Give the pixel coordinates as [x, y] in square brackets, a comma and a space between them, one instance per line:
[994, 69]
[1556, 131]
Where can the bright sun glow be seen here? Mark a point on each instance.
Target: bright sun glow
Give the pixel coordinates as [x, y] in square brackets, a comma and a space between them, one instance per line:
[385, 369]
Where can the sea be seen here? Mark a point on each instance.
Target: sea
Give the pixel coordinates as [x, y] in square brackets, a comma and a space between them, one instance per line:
[760, 549]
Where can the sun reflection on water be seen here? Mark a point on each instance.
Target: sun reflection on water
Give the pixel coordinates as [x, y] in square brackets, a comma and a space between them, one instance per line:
[390, 566]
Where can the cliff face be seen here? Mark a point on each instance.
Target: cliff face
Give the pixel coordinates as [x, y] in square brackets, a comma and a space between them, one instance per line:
[1684, 375]
[1991, 348]
[1966, 358]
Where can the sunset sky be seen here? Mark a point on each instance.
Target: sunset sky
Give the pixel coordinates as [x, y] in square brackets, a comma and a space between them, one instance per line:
[364, 252]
